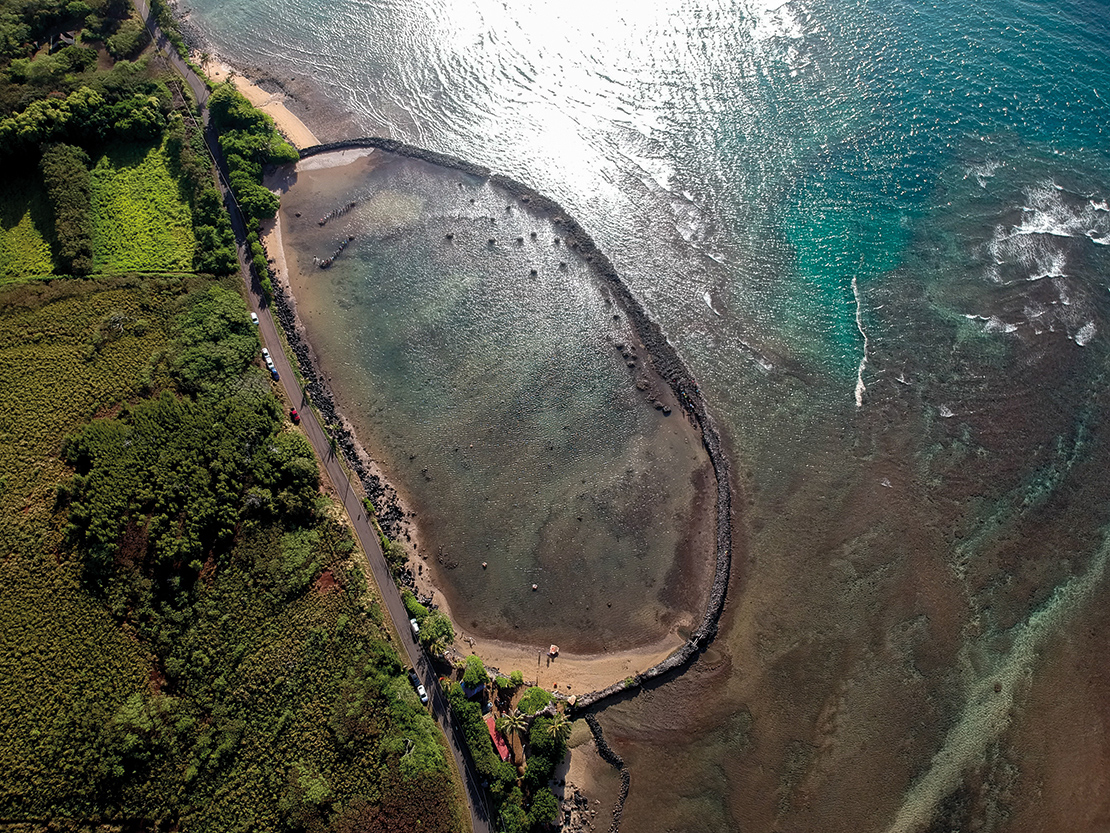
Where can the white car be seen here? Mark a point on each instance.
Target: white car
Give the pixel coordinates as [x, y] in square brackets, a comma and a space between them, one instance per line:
[254, 318]
[265, 354]
[415, 627]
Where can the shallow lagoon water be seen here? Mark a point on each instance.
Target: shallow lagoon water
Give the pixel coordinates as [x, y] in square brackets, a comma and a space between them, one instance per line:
[478, 357]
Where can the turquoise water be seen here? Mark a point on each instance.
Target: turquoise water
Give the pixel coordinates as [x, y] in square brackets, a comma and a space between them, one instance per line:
[879, 233]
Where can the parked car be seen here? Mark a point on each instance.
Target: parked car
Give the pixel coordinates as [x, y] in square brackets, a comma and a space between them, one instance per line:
[421, 692]
[254, 318]
[415, 627]
[274, 373]
[265, 354]
[293, 415]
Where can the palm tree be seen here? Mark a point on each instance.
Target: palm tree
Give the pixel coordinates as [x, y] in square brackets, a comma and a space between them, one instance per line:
[559, 727]
[514, 723]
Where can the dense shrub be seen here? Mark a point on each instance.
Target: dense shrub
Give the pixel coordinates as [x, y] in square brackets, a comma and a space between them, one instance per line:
[249, 141]
[533, 700]
[489, 766]
[544, 809]
[128, 40]
[214, 341]
[475, 675]
[65, 172]
[414, 609]
[436, 632]
[52, 120]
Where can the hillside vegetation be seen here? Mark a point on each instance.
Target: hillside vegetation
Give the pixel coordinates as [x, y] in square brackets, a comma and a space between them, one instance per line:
[188, 638]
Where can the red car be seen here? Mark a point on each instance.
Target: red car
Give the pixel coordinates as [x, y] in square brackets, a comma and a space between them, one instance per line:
[293, 415]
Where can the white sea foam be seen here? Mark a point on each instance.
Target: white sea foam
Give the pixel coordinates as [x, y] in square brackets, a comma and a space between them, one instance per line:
[1047, 212]
[860, 386]
[709, 303]
[1085, 334]
[1049, 264]
[983, 172]
[946, 412]
[993, 324]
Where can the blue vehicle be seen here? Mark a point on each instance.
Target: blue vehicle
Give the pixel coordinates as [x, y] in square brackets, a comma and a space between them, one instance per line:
[274, 373]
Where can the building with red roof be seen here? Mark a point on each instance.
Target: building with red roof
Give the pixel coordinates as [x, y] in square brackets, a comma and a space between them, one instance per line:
[498, 739]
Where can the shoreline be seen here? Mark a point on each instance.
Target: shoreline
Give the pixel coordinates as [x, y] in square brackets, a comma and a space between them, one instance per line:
[272, 104]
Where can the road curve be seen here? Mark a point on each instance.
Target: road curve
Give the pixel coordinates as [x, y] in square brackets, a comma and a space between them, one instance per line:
[321, 444]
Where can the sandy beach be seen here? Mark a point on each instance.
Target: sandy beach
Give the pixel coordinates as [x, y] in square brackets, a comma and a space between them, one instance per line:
[272, 104]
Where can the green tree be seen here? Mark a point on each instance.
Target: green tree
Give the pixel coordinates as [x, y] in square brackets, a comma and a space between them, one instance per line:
[544, 809]
[436, 632]
[65, 172]
[475, 674]
[559, 727]
[533, 700]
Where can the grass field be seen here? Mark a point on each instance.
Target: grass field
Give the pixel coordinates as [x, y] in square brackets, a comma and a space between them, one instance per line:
[25, 226]
[141, 218]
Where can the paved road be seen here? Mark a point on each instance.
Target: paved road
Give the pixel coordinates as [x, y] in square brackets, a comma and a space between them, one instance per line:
[365, 533]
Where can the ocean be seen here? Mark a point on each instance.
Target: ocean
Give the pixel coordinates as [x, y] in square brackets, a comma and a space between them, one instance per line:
[879, 235]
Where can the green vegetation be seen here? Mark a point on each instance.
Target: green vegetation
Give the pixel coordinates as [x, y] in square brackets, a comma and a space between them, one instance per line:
[517, 679]
[546, 748]
[527, 803]
[475, 675]
[249, 141]
[488, 764]
[513, 724]
[189, 640]
[214, 342]
[129, 39]
[414, 609]
[140, 216]
[534, 700]
[436, 632]
[25, 23]
[25, 222]
[65, 173]
[152, 205]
